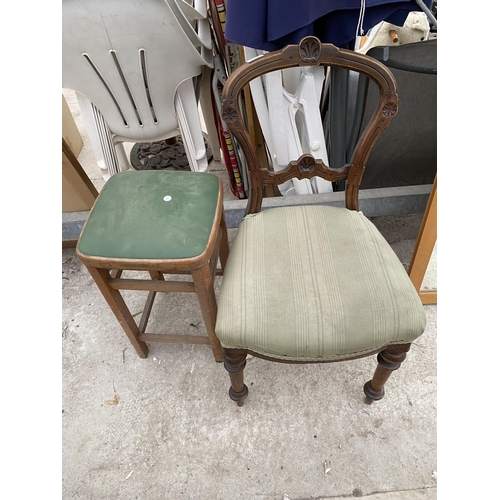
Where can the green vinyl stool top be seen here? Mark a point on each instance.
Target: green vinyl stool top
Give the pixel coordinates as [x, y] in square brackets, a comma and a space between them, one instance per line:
[152, 215]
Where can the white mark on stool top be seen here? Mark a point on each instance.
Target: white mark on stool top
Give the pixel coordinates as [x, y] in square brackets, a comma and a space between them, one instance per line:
[167, 198]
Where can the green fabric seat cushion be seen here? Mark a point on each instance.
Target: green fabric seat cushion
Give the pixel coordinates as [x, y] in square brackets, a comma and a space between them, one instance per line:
[315, 282]
[152, 215]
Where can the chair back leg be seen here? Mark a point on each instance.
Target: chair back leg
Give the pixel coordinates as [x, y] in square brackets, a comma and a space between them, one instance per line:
[224, 244]
[203, 283]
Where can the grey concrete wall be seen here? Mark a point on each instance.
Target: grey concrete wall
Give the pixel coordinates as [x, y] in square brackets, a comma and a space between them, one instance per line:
[372, 202]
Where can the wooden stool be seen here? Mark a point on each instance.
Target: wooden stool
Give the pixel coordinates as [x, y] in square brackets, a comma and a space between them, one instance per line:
[162, 222]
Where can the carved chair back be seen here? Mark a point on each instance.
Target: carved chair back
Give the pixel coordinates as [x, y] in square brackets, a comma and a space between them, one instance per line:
[309, 52]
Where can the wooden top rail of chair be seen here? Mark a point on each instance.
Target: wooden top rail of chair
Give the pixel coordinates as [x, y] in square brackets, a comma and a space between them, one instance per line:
[309, 52]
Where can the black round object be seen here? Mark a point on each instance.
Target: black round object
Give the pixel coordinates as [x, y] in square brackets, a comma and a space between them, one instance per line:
[162, 156]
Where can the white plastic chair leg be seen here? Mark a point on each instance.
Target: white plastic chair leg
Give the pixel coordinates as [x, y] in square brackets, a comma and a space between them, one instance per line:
[186, 108]
[282, 110]
[99, 137]
[316, 145]
[123, 159]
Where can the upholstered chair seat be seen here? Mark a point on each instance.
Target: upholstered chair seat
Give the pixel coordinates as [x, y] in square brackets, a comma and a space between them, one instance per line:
[311, 283]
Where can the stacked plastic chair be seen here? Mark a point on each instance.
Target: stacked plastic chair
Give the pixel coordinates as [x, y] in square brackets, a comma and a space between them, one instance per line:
[133, 66]
[287, 104]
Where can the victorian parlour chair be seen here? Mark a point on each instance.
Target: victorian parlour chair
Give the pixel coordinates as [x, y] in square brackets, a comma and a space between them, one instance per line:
[314, 283]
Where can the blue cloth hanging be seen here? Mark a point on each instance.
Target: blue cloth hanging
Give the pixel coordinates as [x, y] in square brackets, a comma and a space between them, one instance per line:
[272, 24]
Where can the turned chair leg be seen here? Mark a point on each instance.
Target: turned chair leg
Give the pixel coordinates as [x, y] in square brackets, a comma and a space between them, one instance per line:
[234, 363]
[389, 359]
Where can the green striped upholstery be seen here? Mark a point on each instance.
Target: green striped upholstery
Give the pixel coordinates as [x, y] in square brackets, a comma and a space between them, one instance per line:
[315, 282]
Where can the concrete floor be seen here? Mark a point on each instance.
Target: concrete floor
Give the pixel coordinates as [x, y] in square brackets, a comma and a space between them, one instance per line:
[165, 428]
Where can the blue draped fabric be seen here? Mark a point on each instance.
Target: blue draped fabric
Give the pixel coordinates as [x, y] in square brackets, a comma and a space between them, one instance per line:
[272, 24]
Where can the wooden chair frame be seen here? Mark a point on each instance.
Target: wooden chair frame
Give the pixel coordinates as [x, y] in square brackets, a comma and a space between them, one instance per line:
[311, 52]
[424, 246]
[107, 273]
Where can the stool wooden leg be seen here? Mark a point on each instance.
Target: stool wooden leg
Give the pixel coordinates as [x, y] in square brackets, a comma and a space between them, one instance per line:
[120, 309]
[204, 286]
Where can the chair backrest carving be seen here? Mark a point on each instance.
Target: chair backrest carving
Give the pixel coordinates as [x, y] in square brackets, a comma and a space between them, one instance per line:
[309, 52]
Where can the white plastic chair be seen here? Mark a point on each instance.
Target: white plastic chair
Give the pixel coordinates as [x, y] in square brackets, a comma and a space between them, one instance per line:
[132, 66]
[287, 105]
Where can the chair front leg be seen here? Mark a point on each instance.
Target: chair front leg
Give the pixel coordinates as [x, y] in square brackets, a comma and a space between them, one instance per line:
[234, 363]
[389, 359]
